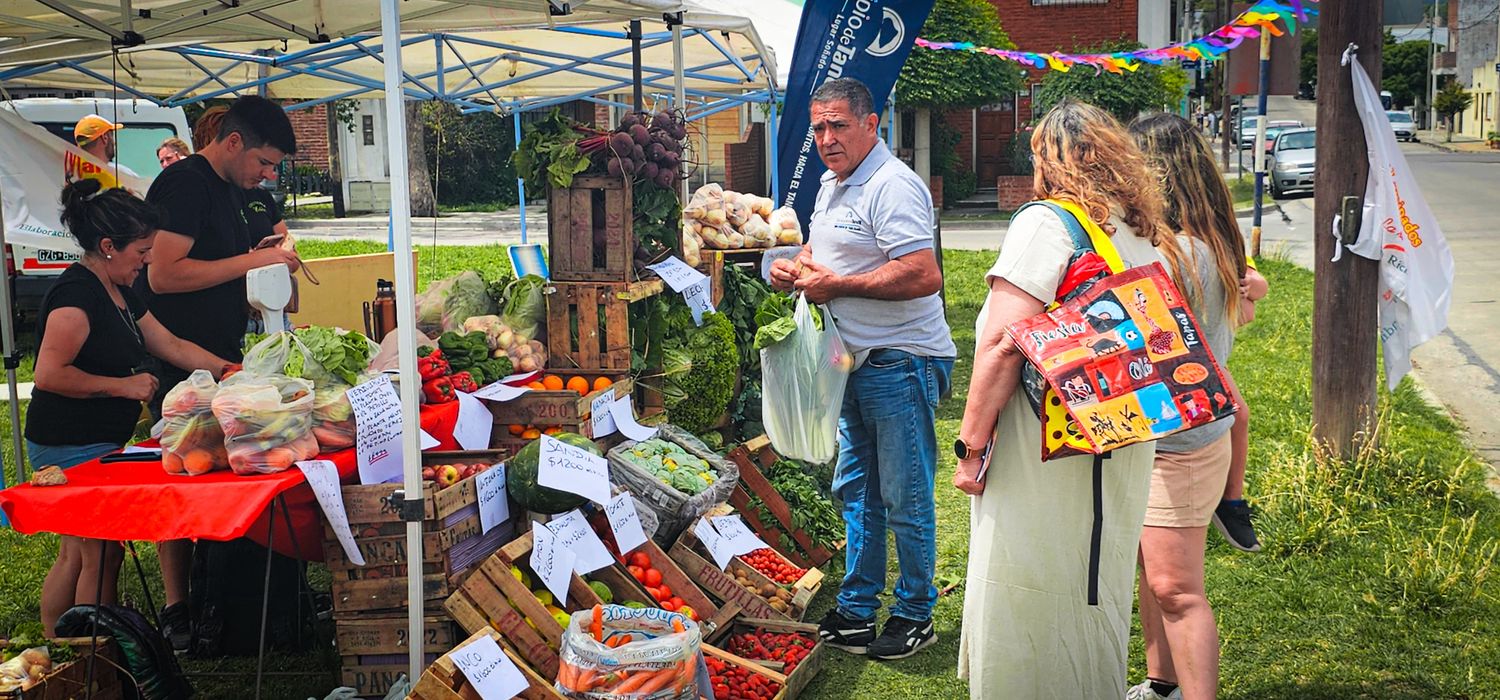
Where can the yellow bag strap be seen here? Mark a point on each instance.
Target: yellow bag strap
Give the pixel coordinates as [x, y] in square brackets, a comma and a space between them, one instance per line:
[1102, 243]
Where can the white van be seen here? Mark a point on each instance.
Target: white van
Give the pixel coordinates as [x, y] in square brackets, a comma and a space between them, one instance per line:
[146, 126]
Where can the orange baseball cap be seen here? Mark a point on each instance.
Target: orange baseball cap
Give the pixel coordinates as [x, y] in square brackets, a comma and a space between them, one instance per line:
[92, 127]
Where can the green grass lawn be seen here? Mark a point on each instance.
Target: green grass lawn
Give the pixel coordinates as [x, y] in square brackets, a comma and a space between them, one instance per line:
[1375, 583]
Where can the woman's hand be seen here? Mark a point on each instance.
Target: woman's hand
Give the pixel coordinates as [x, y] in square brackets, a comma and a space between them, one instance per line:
[137, 387]
[965, 477]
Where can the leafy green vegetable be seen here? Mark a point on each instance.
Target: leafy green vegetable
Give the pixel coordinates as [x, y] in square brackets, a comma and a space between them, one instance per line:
[343, 354]
[549, 154]
[743, 294]
[775, 321]
[812, 511]
[702, 395]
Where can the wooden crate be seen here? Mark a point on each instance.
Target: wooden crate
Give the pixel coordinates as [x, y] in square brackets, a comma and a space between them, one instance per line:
[699, 566]
[70, 679]
[712, 265]
[710, 615]
[564, 408]
[755, 668]
[751, 457]
[371, 675]
[442, 507]
[591, 230]
[386, 593]
[588, 324]
[369, 634]
[798, 679]
[493, 596]
[443, 681]
[449, 549]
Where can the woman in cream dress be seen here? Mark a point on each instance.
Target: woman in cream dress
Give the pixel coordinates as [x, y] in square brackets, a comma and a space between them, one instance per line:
[1028, 628]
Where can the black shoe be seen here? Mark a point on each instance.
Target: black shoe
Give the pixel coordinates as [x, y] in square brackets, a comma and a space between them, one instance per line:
[902, 638]
[177, 626]
[1232, 519]
[846, 633]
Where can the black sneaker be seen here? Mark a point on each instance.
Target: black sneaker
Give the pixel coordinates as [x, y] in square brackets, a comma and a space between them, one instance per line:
[902, 638]
[846, 633]
[177, 626]
[1232, 519]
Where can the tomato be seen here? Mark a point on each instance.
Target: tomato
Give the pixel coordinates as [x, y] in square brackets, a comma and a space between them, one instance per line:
[637, 572]
[676, 602]
[663, 592]
[640, 559]
[653, 577]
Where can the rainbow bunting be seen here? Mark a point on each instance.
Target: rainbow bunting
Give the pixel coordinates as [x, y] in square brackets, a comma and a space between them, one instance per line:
[1263, 16]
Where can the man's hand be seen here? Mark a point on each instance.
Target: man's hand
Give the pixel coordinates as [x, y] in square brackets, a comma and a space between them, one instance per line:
[817, 282]
[964, 477]
[271, 256]
[784, 274]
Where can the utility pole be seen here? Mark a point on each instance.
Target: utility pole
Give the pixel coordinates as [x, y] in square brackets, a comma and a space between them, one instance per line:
[1432, 65]
[1344, 292]
[1259, 154]
[1224, 122]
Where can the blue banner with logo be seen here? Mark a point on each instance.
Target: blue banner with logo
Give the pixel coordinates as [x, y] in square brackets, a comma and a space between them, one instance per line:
[868, 40]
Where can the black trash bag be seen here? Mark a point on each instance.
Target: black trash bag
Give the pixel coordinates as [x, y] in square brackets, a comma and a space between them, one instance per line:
[154, 673]
[225, 600]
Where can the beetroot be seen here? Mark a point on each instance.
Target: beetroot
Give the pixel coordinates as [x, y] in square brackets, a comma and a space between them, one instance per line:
[649, 170]
[640, 134]
[620, 143]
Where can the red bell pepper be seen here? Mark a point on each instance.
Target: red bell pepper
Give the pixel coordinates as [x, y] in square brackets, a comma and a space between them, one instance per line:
[432, 366]
[464, 381]
[439, 390]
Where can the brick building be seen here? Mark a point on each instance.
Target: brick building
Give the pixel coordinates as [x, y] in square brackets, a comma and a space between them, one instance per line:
[311, 127]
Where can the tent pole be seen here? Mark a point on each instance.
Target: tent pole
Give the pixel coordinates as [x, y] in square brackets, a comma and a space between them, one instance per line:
[521, 182]
[635, 63]
[406, 323]
[679, 90]
[8, 347]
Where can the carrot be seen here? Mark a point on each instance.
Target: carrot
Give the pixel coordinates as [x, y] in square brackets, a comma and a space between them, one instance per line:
[634, 683]
[566, 677]
[598, 625]
[613, 679]
[613, 642]
[684, 675]
[677, 625]
[659, 681]
[586, 680]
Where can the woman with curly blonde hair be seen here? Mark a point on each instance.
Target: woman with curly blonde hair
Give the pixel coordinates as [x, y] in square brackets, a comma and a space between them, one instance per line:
[1029, 629]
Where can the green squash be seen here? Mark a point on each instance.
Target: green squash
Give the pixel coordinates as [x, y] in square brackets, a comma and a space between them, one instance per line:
[521, 472]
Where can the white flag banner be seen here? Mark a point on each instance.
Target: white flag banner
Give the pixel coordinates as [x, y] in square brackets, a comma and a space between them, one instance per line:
[1398, 229]
[33, 172]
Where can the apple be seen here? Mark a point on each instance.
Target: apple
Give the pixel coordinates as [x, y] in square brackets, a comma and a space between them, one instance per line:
[447, 475]
[428, 473]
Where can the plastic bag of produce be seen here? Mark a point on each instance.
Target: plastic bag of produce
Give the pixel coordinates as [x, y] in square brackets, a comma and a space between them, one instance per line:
[191, 440]
[802, 387]
[786, 227]
[673, 475]
[280, 353]
[611, 651]
[25, 670]
[469, 296]
[692, 244]
[525, 309]
[758, 233]
[333, 423]
[267, 422]
[736, 209]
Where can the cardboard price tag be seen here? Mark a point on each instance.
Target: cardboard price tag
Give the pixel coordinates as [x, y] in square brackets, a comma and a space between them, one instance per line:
[715, 544]
[737, 537]
[698, 299]
[603, 422]
[572, 469]
[377, 440]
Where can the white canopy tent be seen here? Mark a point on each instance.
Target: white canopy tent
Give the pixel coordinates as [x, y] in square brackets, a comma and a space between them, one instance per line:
[155, 48]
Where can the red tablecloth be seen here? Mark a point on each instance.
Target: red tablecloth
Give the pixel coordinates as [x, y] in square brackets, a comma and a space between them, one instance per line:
[140, 501]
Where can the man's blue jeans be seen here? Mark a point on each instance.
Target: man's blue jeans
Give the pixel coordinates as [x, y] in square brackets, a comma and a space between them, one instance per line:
[885, 477]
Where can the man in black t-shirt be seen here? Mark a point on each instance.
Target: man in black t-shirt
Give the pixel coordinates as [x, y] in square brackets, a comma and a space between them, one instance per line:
[195, 282]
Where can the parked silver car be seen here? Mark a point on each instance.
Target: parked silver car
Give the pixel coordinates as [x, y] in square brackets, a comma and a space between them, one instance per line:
[1293, 161]
[1402, 124]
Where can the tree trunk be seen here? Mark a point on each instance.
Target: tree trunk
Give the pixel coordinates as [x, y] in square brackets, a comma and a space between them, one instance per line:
[335, 160]
[423, 198]
[1345, 293]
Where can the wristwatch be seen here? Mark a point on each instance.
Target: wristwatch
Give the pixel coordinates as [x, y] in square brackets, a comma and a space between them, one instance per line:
[963, 451]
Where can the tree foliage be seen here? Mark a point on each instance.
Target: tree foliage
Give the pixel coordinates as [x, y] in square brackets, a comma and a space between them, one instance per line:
[468, 156]
[1307, 73]
[939, 79]
[1452, 99]
[1123, 95]
[1403, 70]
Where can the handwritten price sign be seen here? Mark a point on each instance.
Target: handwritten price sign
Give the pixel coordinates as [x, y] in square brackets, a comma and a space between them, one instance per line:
[572, 469]
[492, 673]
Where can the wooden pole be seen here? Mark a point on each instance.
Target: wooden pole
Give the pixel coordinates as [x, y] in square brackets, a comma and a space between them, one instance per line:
[1344, 297]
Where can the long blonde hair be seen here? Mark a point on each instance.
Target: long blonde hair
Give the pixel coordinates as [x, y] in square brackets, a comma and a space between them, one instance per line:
[1198, 200]
[1083, 155]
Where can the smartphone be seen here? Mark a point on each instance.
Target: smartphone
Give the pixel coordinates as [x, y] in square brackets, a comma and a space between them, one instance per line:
[270, 241]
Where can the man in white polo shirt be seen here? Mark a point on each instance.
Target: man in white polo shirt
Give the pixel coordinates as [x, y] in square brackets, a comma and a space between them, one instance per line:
[871, 263]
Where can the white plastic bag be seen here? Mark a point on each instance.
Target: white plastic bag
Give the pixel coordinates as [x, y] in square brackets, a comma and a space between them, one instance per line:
[191, 440]
[802, 388]
[267, 422]
[664, 648]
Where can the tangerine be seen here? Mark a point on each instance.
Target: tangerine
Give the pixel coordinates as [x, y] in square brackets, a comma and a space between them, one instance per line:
[602, 383]
[198, 462]
[579, 385]
[552, 382]
[536, 386]
[516, 428]
[531, 434]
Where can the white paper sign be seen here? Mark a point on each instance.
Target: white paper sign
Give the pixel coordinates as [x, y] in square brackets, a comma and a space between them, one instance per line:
[603, 422]
[500, 391]
[552, 564]
[712, 542]
[737, 537]
[426, 440]
[677, 274]
[624, 415]
[472, 431]
[572, 469]
[377, 441]
[771, 255]
[625, 522]
[573, 533]
[323, 477]
[494, 502]
[492, 673]
[699, 299]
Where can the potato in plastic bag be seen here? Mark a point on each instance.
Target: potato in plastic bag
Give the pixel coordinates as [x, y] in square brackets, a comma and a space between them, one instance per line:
[784, 223]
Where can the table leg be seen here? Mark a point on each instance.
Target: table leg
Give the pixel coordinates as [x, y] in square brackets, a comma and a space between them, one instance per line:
[145, 589]
[265, 599]
[305, 590]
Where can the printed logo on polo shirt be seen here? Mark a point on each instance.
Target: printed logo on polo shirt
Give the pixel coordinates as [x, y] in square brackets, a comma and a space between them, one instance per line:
[848, 221]
[258, 207]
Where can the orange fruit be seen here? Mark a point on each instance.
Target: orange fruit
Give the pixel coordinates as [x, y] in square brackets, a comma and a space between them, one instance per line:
[552, 382]
[531, 434]
[553, 430]
[578, 384]
[516, 429]
[198, 462]
[602, 383]
[536, 386]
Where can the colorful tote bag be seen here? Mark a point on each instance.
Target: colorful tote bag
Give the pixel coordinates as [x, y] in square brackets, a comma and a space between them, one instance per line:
[1119, 359]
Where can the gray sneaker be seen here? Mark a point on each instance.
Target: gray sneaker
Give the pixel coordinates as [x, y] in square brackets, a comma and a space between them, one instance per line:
[1145, 692]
